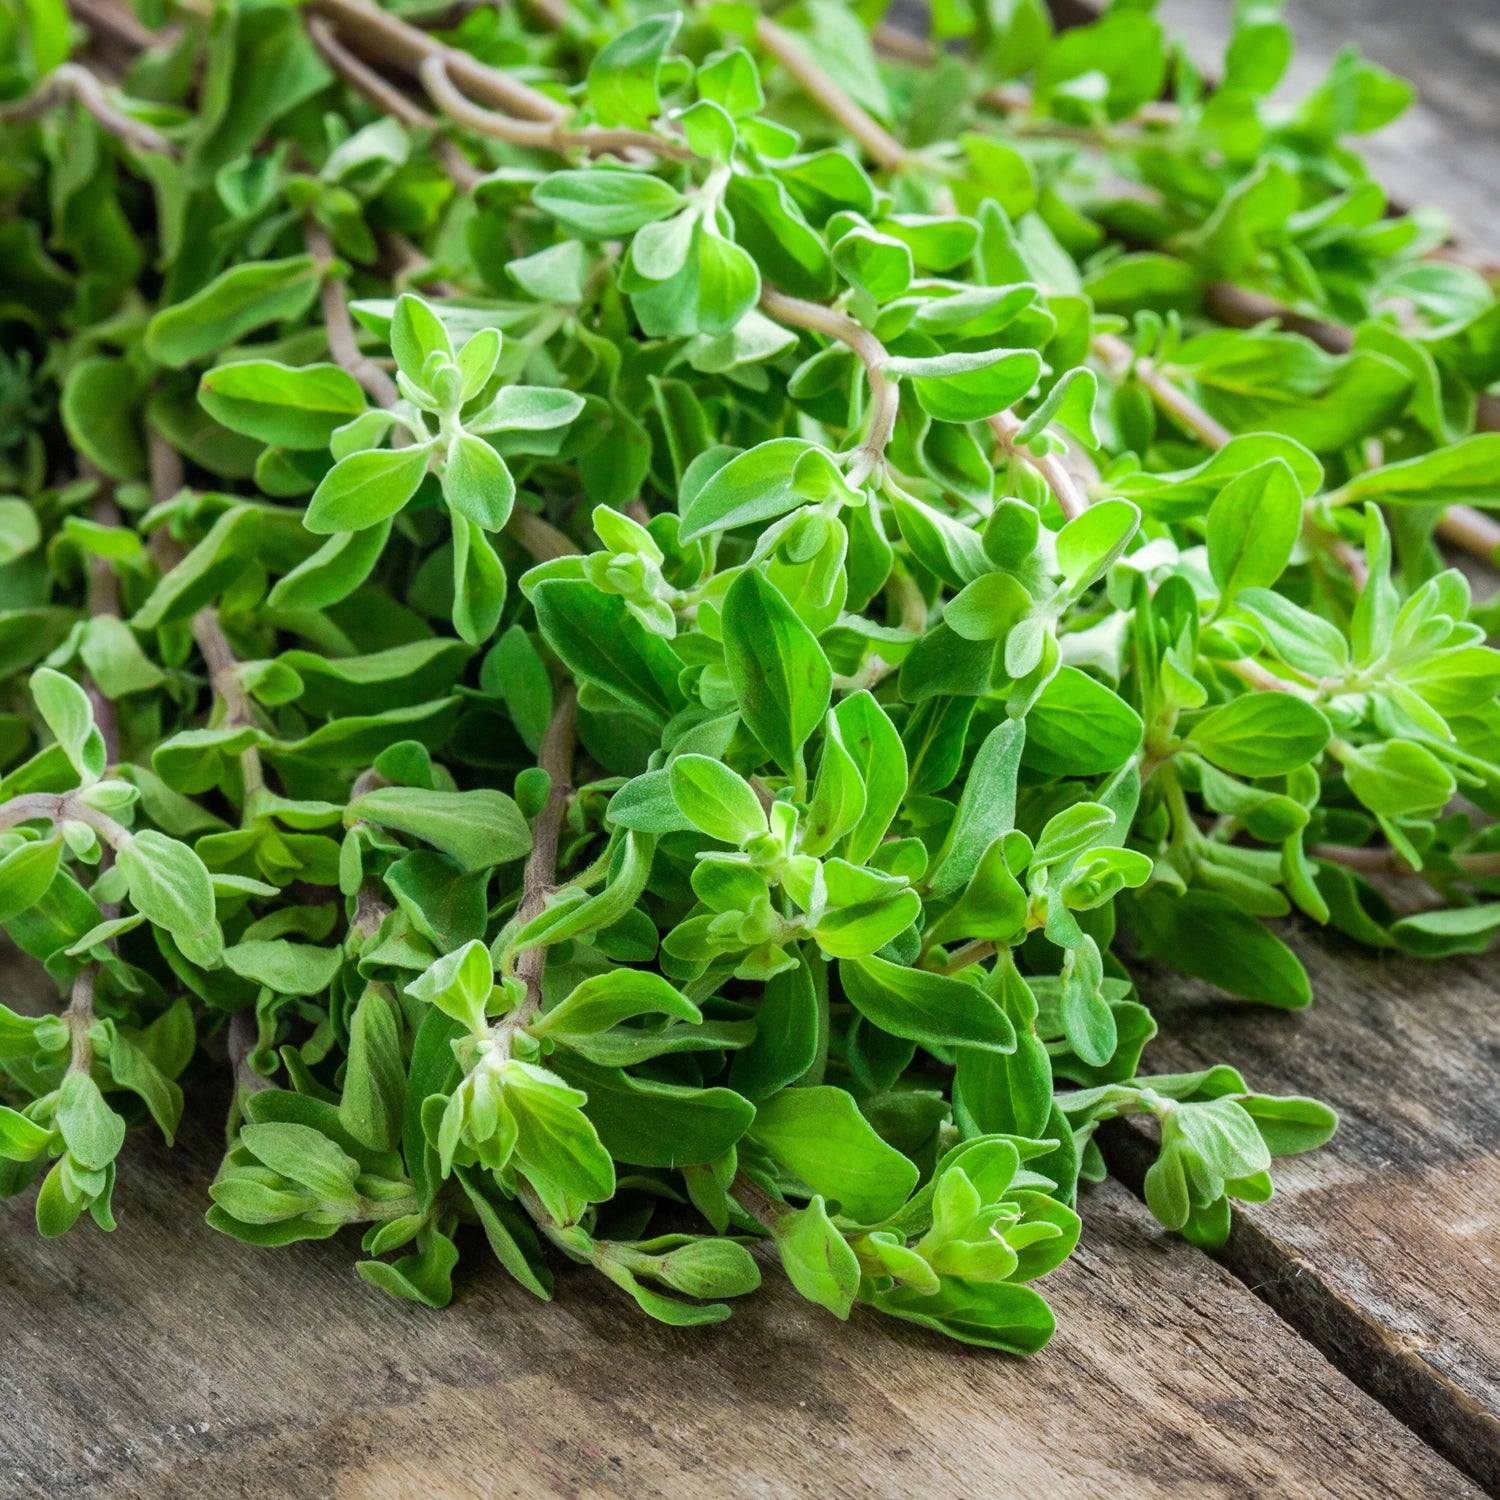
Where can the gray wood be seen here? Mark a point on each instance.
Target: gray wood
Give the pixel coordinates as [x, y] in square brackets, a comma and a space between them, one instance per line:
[1383, 1248]
[167, 1363]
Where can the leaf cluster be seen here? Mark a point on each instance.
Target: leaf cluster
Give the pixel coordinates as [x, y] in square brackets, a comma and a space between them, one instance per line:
[653, 664]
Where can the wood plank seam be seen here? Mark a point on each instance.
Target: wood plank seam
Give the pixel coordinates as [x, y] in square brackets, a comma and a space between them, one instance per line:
[1370, 1355]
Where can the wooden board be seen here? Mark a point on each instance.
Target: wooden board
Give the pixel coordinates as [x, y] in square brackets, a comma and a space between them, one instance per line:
[1384, 1247]
[164, 1361]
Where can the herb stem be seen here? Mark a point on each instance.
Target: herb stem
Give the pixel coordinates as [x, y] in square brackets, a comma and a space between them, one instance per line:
[103, 600]
[879, 144]
[71, 80]
[1264, 680]
[540, 135]
[1462, 526]
[218, 654]
[117, 23]
[1385, 861]
[1120, 361]
[62, 807]
[556, 758]
[387, 98]
[378, 33]
[970, 954]
[885, 395]
[756, 1201]
[223, 675]
[342, 343]
[1069, 494]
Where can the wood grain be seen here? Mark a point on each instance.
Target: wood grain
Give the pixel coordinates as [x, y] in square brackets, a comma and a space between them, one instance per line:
[1384, 1247]
[164, 1361]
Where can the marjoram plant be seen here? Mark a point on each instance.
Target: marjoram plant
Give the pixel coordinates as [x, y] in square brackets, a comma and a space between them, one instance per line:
[647, 614]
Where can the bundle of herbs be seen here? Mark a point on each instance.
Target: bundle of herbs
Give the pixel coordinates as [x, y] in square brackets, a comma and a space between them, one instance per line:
[639, 612]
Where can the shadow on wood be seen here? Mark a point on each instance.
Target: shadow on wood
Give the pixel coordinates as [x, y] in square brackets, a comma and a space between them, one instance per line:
[164, 1361]
[1384, 1246]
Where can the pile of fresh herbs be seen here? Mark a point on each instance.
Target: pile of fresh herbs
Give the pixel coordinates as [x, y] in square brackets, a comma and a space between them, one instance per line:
[628, 616]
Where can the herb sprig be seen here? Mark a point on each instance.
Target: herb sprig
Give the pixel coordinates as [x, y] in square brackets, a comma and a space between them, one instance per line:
[643, 610]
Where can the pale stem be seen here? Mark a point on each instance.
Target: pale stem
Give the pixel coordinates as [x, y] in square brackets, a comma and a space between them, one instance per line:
[218, 655]
[879, 144]
[378, 33]
[1384, 861]
[363, 79]
[342, 343]
[117, 23]
[1120, 361]
[538, 135]
[555, 757]
[1069, 494]
[1208, 430]
[885, 396]
[73, 81]
[756, 1201]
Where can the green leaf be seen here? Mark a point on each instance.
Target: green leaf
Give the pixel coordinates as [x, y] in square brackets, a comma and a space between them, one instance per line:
[786, 1035]
[417, 333]
[1252, 528]
[99, 411]
[819, 1135]
[650, 1124]
[132, 1069]
[284, 966]
[91, 1130]
[555, 1140]
[1207, 936]
[1261, 734]
[1091, 543]
[1398, 778]
[363, 489]
[602, 643]
[998, 1315]
[170, 886]
[968, 394]
[985, 811]
[716, 800]
[1079, 727]
[26, 873]
[874, 746]
[479, 583]
[1290, 1124]
[817, 1259]
[622, 76]
[605, 1000]
[924, 1007]
[1467, 471]
[70, 716]
[242, 299]
[291, 407]
[782, 680]
[598, 204]
[476, 482]
[753, 486]
[303, 1154]
[480, 829]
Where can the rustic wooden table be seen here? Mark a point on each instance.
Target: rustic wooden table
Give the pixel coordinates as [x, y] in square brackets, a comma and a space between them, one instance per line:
[1346, 1344]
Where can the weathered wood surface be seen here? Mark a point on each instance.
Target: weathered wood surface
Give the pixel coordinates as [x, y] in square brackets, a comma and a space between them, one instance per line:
[164, 1361]
[167, 1363]
[1383, 1247]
